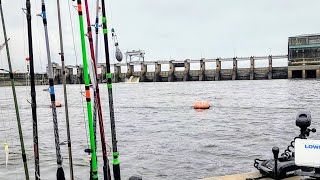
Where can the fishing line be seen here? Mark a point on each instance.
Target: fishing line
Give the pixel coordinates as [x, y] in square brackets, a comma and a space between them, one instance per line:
[91, 62]
[26, 63]
[115, 153]
[106, 167]
[101, 54]
[24, 31]
[92, 150]
[24, 41]
[112, 48]
[112, 26]
[75, 53]
[111, 17]
[3, 122]
[62, 55]
[1, 108]
[38, 39]
[10, 142]
[91, 3]
[5, 118]
[8, 117]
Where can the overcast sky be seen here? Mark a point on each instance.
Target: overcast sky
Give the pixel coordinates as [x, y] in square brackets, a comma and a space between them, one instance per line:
[168, 29]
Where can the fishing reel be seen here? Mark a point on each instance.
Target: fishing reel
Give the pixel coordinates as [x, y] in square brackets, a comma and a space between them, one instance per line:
[285, 166]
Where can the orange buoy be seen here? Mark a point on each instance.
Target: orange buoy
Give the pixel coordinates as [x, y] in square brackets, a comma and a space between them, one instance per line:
[58, 104]
[201, 105]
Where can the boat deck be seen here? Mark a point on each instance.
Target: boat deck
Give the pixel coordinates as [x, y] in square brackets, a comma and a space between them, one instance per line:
[247, 175]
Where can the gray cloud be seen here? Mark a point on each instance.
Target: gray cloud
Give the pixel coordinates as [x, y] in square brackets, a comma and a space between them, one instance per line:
[165, 29]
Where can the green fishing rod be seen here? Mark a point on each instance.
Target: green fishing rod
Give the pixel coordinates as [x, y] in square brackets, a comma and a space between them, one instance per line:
[93, 78]
[65, 91]
[33, 94]
[87, 93]
[23, 152]
[97, 100]
[60, 172]
[115, 153]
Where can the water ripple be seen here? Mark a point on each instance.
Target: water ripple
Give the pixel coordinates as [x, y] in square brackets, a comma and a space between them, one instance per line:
[159, 135]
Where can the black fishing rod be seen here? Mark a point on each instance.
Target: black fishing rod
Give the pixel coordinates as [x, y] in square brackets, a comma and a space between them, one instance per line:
[115, 153]
[65, 91]
[60, 172]
[97, 100]
[33, 94]
[23, 152]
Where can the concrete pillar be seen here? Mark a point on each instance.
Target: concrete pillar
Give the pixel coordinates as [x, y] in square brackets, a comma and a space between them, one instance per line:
[251, 68]
[144, 69]
[71, 76]
[117, 71]
[270, 67]
[60, 76]
[65, 74]
[304, 74]
[68, 74]
[103, 73]
[75, 76]
[130, 70]
[289, 74]
[171, 72]
[318, 73]
[186, 76]
[56, 75]
[80, 75]
[53, 71]
[217, 76]
[234, 70]
[202, 75]
[157, 71]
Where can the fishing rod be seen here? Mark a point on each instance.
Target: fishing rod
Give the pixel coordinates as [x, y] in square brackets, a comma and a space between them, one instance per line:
[97, 100]
[92, 75]
[65, 91]
[88, 96]
[4, 44]
[33, 94]
[23, 152]
[115, 153]
[60, 172]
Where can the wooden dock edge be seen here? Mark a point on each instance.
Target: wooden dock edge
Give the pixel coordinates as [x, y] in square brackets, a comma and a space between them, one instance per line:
[243, 176]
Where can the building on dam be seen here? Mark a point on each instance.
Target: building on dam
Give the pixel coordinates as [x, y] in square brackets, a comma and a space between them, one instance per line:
[304, 56]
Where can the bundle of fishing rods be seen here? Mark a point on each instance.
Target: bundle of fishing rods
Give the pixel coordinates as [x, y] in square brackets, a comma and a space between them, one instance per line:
[88, 72]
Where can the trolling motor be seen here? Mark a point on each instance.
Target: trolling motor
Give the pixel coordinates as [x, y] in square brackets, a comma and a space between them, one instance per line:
[285, 166]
